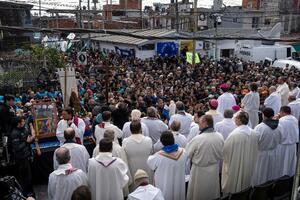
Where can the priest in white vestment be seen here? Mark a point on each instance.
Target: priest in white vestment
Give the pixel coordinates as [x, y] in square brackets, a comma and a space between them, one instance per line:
[73, 121]
[294, 104]
[283, 90]
[205, 152]
[169, 166]
[64, 180]
[179, 138]
[287, 148]
[226, 100]
[107, 175]
[250, 103]
[195, 130]
[227, 125]
[269, 137]
[295, 90]
[183, 117]
[118, 152]
[273, 100]
[213, 105]
[106, 125]
[240, 156]
[137, 148]
[79, 155]
[155, 125]
[144, 190]
[135, 116]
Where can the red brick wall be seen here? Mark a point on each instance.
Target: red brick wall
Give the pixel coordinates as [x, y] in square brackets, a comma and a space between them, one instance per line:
[62, 23]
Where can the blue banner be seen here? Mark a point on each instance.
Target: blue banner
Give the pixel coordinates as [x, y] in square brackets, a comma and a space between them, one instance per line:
[165, 49]
[125, 52]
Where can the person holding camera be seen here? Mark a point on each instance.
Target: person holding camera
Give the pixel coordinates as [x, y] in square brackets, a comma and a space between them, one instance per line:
[21, 138]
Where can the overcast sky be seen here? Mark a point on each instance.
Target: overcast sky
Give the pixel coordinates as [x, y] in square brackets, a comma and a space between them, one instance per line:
[65, 4]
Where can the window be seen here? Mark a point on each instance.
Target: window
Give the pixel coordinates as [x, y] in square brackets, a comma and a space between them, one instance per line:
[147, 47]
[255, 22]
[267, 21]
[234, 20]
[118, 13]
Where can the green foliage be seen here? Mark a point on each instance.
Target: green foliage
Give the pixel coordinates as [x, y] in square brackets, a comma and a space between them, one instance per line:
[54, 59]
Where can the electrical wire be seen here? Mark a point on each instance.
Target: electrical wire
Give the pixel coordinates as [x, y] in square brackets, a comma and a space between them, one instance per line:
[138, 36]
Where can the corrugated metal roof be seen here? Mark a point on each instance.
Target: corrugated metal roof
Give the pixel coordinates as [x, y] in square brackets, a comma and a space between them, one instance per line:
[132, 40]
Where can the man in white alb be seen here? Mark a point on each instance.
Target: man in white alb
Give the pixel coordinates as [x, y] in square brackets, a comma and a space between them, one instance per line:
[226, 100]
[169, 167]
[283, 90]
[287, 148]
[64, 180]
[250, 103]
[107, 175]
[135, 116]
[227, 125]
[154, 124]
[73, 121]
[205, 152]
[106, 125]
[269, 136]
[273, 100]
[240, 155]
[179, 138]
[79, 155]
[183, 117]
[144, 190]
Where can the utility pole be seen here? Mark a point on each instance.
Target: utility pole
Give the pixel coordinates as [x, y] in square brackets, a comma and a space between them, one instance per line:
[40, 13]
[89, 13]
[141, 12]
[177, 16]
[79, 25]
[216, 35]
[195, 30]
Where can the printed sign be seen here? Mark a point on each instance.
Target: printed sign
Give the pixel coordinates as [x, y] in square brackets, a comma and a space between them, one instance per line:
[165, 49]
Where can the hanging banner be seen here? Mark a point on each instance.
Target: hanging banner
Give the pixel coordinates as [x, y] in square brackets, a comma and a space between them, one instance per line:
[165, 49]
[189, 58]
[186, 43]
[82, 58]
[125, 52]
[70, 77]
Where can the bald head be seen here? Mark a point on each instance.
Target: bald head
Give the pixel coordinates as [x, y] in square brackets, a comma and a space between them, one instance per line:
[69, 134]
[109, 134]
[272, 89]
[62, 155]
[175, 126]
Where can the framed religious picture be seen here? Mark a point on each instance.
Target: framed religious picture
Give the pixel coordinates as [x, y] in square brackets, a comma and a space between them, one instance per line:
[45, 118]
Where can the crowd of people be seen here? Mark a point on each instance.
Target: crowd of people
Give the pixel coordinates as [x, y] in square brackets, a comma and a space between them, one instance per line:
[159, 124]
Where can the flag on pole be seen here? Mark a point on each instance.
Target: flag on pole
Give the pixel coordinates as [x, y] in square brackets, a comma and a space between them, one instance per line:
[189, 58]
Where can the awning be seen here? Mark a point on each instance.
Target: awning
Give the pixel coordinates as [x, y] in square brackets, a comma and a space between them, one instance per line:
[296, 47]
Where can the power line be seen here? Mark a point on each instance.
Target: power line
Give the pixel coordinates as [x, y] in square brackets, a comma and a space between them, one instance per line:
[138, 36]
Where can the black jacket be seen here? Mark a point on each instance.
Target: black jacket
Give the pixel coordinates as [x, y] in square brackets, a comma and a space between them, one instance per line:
[20, 147]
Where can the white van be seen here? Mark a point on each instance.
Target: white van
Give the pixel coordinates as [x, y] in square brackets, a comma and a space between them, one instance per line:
[283, 64]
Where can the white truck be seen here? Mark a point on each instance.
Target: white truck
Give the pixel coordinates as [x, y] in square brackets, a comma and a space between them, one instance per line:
[259, 53]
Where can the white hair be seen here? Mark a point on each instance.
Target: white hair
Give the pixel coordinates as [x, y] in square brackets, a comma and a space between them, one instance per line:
[136, 114]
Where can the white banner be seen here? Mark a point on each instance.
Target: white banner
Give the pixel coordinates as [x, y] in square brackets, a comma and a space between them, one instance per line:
[69, 76]
[199, 45]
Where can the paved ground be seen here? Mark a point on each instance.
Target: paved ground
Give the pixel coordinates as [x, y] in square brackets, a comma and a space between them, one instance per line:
[41, 192]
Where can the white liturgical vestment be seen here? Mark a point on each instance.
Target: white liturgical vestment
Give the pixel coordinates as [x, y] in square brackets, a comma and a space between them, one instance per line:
[107, 176]
[226, 101]
[79, 156]
[63, 182]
